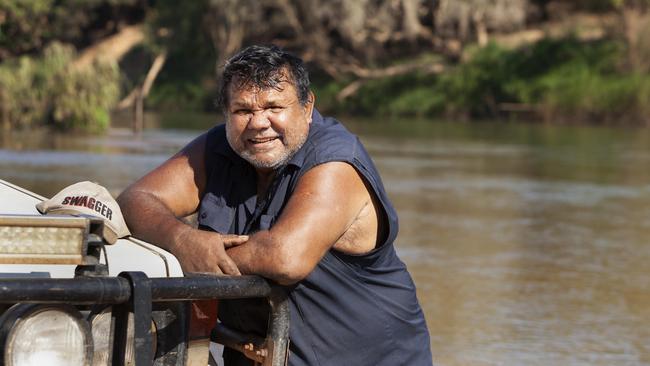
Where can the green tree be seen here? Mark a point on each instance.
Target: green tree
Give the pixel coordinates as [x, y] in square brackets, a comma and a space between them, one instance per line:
[27, 26]
[46, 90]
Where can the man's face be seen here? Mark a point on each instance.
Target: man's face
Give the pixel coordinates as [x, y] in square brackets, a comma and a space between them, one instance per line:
[266, 126]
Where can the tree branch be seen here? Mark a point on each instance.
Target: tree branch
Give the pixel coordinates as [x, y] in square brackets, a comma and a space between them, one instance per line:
[111, 49]
[144, 89]
[366, 74]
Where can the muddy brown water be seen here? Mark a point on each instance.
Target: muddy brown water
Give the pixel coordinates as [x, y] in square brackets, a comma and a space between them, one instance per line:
[529, 244]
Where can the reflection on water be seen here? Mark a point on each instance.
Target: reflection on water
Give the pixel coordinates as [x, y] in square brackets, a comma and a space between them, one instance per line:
[518, 263]
[528, 244]
[45, 163]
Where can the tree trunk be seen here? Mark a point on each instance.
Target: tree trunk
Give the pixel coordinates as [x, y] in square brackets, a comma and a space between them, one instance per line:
[227, 24]
[111, 49]
[141, 92]
[410, 20]
[138, 112]
[481, 29]
[4, 111]
[636, 23]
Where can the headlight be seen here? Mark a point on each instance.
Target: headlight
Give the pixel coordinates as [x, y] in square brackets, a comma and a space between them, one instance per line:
[45, 335]
[101, 331]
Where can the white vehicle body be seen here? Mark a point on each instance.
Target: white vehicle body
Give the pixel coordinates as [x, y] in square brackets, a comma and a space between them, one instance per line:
[128, 254]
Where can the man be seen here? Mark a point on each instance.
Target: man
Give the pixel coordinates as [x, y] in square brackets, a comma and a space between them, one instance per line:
[289, 195]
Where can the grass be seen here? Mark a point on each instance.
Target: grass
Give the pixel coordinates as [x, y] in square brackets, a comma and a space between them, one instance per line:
[562, 80]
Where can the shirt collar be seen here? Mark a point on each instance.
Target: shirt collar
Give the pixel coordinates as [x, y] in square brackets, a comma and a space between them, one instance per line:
[298, 158]
[223, 148]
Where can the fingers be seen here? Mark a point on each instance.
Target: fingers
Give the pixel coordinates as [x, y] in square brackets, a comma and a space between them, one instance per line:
[206, 252]
[224, 266]
[230, 240]
[228, 267]
[225, 263]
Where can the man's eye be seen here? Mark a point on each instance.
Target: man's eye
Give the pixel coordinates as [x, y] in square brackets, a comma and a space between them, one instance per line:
[241, 111]
[276, 109]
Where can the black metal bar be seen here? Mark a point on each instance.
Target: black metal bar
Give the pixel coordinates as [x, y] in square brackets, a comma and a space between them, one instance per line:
[236, 340]
[140, 305]
[120, 323]
[108, 290]
[205, 287]
[116, 290]
[277, 334]
[275, 347]
[119, 290]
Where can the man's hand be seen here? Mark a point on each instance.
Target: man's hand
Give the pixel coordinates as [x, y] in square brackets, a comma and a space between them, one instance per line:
[152, 205]
[205, 251]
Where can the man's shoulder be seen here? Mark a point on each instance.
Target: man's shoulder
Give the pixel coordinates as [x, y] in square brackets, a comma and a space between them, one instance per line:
[329, 136]
[328, 140]
[217, 131]
[216, 142]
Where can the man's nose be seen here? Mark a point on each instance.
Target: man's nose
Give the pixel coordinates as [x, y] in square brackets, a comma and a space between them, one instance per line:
[259, 120]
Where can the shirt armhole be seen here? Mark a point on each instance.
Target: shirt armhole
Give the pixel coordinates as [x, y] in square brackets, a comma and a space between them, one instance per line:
[384, 222]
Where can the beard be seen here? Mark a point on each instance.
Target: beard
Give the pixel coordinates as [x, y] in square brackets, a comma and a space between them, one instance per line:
[279, 160]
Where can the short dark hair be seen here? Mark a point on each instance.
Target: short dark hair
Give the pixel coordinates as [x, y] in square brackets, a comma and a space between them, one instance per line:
[264, 67]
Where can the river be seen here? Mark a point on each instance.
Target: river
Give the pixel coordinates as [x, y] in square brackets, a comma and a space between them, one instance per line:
[528, 243]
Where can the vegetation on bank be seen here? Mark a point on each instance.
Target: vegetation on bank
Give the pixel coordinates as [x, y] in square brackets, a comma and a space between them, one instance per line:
[560, 81]
[44, 90]
[441, 59]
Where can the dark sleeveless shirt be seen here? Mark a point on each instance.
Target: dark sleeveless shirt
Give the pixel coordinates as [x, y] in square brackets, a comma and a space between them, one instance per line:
[351, 309]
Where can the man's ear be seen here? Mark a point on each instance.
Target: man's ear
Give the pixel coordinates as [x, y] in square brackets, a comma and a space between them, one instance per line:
[309, 106]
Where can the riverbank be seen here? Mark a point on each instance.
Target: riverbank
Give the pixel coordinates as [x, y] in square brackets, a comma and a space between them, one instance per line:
[572, 68]
[557, 81]
[564, 81]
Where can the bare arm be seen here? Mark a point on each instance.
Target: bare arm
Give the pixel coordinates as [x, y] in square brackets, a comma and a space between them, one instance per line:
[152, 205]
[325, 204]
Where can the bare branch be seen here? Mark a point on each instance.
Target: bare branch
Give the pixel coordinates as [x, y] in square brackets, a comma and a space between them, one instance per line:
[111, 49]
[350, 90]
[141, 91]
[365, 74]
[157, 65]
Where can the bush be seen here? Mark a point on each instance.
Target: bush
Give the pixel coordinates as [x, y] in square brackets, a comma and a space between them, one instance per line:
[48, 91]
[561, 80]
[579, 93]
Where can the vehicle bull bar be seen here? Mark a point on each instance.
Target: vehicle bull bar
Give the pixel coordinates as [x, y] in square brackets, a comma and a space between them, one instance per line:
[134, 292]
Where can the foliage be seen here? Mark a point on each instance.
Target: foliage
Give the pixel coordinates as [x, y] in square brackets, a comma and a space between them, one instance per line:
[47, 90]
[558, 79]
[578, 92]
[179, 28]
[27, 26]
[22, 27]
[630, 3]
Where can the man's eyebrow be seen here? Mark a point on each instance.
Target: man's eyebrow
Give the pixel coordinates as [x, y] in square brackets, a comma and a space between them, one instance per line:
[238, 104]
[241, 103]
[275, 101]
[272, 101]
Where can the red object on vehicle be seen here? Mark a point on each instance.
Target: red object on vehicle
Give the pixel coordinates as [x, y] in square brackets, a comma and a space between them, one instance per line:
[203, 318]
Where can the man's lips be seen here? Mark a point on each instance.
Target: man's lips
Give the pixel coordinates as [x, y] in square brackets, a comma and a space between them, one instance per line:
[261, 144]
[262, 140]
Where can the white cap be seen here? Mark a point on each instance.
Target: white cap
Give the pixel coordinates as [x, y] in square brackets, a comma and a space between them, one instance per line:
[88, 198]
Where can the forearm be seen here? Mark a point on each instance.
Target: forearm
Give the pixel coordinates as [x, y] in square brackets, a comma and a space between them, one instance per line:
[150, 220]
[263, 255]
